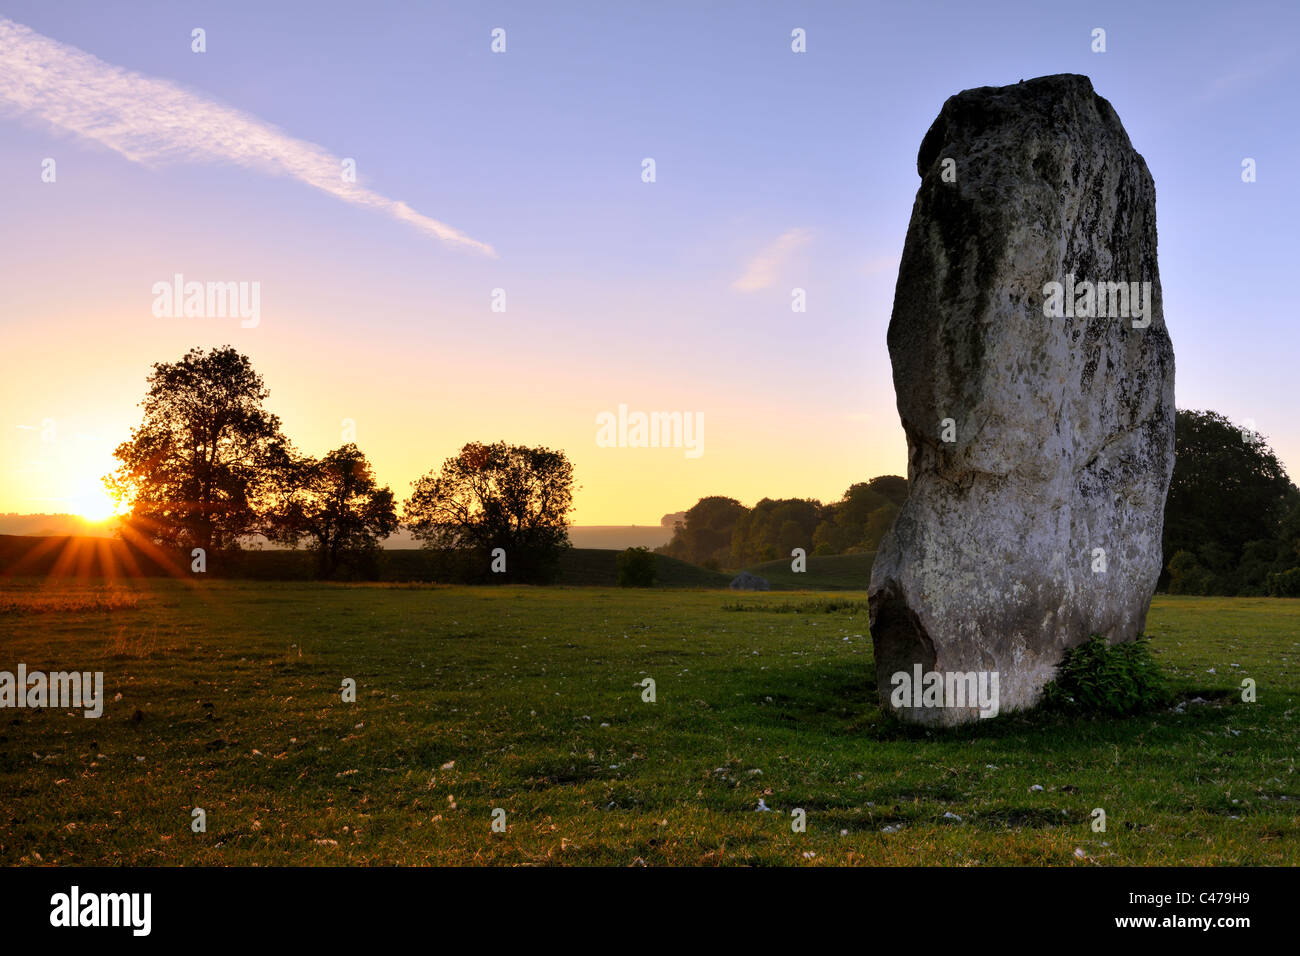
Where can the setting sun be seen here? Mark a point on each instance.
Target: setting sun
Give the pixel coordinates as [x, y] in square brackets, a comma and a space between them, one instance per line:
[92, 502]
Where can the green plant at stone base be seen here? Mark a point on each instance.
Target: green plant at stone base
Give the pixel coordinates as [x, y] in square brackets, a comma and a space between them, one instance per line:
[1112, 679]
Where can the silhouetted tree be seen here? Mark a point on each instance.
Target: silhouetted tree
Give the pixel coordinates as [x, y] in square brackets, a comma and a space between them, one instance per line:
[497, 496]
[772, 528]
[335, 503]
[1227, 499]
[199, 470]
[859, 520]
[704, 536]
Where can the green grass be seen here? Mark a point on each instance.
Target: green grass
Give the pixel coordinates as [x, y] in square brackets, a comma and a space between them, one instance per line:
[529, 700]
[834, 572]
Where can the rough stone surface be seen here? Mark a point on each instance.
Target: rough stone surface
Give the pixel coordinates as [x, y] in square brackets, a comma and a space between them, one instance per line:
[1063, 426]
[744, 581]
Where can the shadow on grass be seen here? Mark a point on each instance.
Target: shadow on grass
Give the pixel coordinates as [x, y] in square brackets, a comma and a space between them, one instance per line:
[837, 703]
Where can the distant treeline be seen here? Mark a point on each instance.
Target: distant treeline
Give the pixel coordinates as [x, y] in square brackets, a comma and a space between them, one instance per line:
[720, 532]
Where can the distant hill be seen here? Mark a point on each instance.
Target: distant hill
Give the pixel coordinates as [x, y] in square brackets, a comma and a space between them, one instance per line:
[583, 536]
[92, 557]
[619, 536]
[834, 572]
[594, 567]
[78, 556]
[55, 524]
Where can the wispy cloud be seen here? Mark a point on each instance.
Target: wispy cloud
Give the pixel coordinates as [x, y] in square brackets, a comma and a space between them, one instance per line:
[154, 121]
[763, 268]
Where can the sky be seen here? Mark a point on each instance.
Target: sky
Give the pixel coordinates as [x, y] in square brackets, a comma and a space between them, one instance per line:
[524, 171]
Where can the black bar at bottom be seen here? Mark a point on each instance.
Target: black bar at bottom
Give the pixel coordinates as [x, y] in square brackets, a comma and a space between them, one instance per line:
[335, 905]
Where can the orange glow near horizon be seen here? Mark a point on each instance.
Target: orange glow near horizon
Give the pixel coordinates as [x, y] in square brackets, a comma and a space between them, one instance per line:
[415, 415]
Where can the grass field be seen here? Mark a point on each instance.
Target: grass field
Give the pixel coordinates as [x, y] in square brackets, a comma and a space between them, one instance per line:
[529, 700]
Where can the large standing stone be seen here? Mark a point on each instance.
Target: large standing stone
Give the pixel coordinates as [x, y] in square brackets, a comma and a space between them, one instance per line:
[1040, 447]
